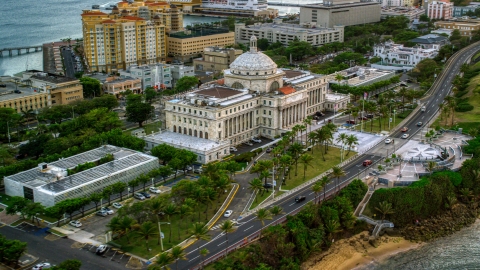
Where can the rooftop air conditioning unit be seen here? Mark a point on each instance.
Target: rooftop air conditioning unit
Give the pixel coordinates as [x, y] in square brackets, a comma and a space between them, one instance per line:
[43, 166]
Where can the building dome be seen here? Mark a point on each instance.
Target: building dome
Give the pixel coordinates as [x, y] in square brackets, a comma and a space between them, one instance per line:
[253, 62]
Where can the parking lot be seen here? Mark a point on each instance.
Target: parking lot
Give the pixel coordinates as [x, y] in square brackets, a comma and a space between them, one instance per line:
[112, 254]
[243, 148]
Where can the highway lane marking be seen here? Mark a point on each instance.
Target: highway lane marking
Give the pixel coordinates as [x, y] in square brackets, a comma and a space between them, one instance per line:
[310, 193]
[292, 204]
[194, 258]
[221, 243]
[248, 228]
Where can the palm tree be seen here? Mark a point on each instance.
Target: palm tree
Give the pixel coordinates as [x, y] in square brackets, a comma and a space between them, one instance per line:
[352, 140]
[431, 165]
[265, 174]
[204, 252]
[200, 232]
[170, 210]
[338, 78]
[466, 194]
[320, 135]
[210, 195]
[342, 138]
[306, 160]
[317, 188]
[262, 215]
[276, 210]
[331, 227]
[337, 172]
[164, 259]
[312, 137]
[146, 231]
[295, 150]
[324, 180]
[227, 227]
[255, 185]
[285, 162]
[385, 208]
[184, 210]
[308, 123]
[177, 253]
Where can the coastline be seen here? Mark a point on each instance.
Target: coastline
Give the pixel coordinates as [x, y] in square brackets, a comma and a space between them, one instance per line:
[357, 252]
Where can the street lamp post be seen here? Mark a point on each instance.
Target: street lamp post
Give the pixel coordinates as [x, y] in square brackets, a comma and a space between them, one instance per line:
[160, 232]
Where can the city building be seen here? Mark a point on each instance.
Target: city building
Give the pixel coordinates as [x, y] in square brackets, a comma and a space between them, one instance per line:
[439, 31]
[392, 3]
[361, 76]
[179, 71]
[397, 57]
[412, 3]
[205, 149]
[216, 59]
[187, 45]
[286, 33]
[459, 11]
[186, 6]
[132, 34]
[466, 27]
[431, 41]
[116, 85]
[21, 97]
[335, 102]
[348, 12]
[238, 8]
[440, 10]
[255, 98]
[411, 13]
[158, 76]
[51, 183]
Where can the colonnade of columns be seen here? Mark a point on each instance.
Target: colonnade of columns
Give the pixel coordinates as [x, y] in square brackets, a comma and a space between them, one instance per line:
[293, 114]
[238, 124]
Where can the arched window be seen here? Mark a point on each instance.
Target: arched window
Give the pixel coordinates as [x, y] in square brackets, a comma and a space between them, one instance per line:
[201, 134]
[190, 131]
[206, 135]
[274, 86]
[184, 130]
[237, 85]
[195, 133]
[174, 128]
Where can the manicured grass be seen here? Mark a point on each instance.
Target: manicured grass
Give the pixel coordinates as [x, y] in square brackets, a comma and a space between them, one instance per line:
[148, 128]
[260, 197]
[5, 199]
[375, 127]
[474, 100]
[179, 231]
[319, 166]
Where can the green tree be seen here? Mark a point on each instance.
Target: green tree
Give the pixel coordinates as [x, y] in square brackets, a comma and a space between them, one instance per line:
[200, 232]
[91, 87]
[17, 205]
[164, 152]
[299, 49]
[306, 160]
[177, 253]
[276, 210]
[150, 94]
[170, 210]
[163, 260]
[337, 172]
[204, 252]
[227, 227]
[352, 140]
[186, 83]
[96, 197]
[119, 188]
[295, 151]
[146, 231]
[255, 185]
[72, 264]
[121, 225]
[107, 193]
[262, 215]
[137, 111]
[385, 208]
[263, 44]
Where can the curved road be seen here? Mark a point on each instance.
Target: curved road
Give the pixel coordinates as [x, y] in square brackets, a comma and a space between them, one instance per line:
[249, 227]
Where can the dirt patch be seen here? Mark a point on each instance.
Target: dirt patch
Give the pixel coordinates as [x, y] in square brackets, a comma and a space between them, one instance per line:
[134, 263]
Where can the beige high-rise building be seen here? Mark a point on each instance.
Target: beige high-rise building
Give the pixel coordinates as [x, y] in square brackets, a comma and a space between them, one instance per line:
[185, 46]
[216, 58]
[133, 34]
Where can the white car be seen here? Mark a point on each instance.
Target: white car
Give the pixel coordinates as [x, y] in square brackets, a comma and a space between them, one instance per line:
[41, 266]
[228, 213]
[75, 223]
[387, 141]
[189, 168]
[256, 140]
[404, 136]
[108, 210]
[154, 190]
[233, 149]
[198, 170]
[117, 205]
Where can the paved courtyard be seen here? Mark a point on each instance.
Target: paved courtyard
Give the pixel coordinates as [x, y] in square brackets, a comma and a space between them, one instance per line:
[365, 140]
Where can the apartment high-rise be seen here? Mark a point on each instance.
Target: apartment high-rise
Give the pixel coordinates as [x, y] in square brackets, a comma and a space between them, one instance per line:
[133, 34]
[440, 10]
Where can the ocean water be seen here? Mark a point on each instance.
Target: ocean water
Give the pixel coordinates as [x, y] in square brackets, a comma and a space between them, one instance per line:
[33, 22]
[458, 251]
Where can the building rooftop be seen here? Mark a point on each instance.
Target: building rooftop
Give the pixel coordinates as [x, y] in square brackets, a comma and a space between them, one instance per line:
[289, 28]
[333, 97]
[292, 73]
[340, 5]
[52, 78]
[218, 92]
[8, 93]
[184, 141]
[429, 39]
[198, 32]
[54, 178]
[359, 75]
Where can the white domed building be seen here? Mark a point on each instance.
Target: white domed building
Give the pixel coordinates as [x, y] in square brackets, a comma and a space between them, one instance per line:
[255, 99]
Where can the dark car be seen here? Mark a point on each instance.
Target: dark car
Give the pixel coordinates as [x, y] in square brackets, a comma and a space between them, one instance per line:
[17, 92]
[269, 150]
[268, 185]
[351, 122]
[299, 199]
[370, 116]
[363, 118]
[145, 194]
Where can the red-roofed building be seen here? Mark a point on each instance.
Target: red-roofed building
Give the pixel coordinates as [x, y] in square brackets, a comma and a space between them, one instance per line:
[287, 90]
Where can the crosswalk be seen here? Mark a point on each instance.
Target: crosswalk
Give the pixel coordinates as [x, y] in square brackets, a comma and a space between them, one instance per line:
[216, 227]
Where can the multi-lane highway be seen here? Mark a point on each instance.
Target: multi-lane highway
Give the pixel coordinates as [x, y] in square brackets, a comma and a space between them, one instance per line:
[249, 227]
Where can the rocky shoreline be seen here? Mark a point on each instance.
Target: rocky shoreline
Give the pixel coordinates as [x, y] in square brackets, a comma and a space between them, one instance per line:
[361, 249]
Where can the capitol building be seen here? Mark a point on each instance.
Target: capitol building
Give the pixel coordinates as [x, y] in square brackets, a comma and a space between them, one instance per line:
[255, 99]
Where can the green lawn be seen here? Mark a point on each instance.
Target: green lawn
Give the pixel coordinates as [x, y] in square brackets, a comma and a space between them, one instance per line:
[260, 197]
[179, 231]
[375, 127]
[148, 128]
[319, 166]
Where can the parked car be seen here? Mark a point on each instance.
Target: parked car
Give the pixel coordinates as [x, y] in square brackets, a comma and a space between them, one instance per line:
[75, 223]
[233, 149]
[299, 199]
[198, 170]
[101, 213]
[256, 140]
[367, 162]
[101, 249]
[228, 213]
[41, 266]
[117, 205]
[145, 194]
[139, 196]
[363, 118]
[387, 141]
[189, 168]
[248, 143]
[17, 91]
[154, 190]
[370, 116]
[351, 122]
[269, 150]
[108, 210]
[404, 129]
[419, 124]
[268, 185]
[404, 136]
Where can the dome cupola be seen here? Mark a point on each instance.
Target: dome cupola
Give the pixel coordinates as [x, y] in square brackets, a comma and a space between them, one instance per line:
[253, 62]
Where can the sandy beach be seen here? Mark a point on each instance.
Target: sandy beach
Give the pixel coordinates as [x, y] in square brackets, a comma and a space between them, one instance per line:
[356, 252]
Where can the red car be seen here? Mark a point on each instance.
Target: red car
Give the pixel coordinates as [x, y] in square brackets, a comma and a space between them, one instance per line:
[404, 129]
[367, 162]
[351, 122]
